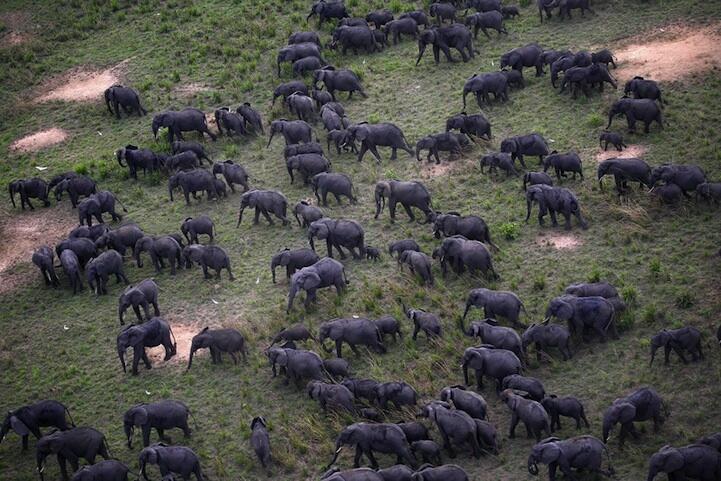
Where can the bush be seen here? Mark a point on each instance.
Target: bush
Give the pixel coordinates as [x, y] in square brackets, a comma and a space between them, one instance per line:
[629, 294]
[685, 299]
[539, 283]
[374, 118]
[627, 320]
[81, 168]
[510, 230]
[595, 275]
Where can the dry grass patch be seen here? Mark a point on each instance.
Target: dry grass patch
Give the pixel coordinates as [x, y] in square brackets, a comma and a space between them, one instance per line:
[39, 140]
[560, 241]
[79, 85]
[632, 151]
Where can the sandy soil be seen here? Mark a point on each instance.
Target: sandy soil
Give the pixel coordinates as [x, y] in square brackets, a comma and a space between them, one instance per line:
[18, 26]
[560, 241]
[39, 140]
[631, 151]
[80, 86]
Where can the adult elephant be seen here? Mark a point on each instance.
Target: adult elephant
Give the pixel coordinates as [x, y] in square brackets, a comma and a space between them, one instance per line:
[264, 202]
[119, 96]
[475, 125]
[585, 313]
[520, 145]
[292, 260]
[293, 131]
[407, 193]
[398, 393]
[233, 174]
[208, 257]
[695, 461]
[462, 253]
[251, 117]
[686, 177]
[83, 248]
[328, 10]
[644, 110]
[442, 39]
[107, 470]
[644, 89]
[641, 405]
[354, 37]
[297, 363]
[686, 338]
[484, 84]
[625, 170]
[70, 445]
[287, 88]
[471, 227]
[307, 165]
[29, 419]
[582, 453]
[137, 159]
[192, 182]
[120, 238]
[531, 413]
[155, 332]
[75, 187]
[179, 121]
[354, 332]
[332, 183]
[171, 460]
[100, 268]
[297, 51]
[357, 474]
[384, 438]
[554, 200]
[489, 361]
[384, 134]
[529, 55]
[161, 415]
[324, 273]
[456, 427]
[501, 337]
[144, 294]
[337, 233]
[35, 188]
[468, 401]
[546, 6]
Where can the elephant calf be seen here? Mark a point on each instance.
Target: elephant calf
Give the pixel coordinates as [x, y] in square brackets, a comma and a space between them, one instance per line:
[260, 440]
[687, 338]
[43, 258]
[219, 341]
[212, 257]
[329, 395]
[419, 264]
[582, 453]
[429, 451]
[567, 406]
[145, 293]
[532, 413]
[424, 321]
[292, 260]
[161, 415]
[171, 459]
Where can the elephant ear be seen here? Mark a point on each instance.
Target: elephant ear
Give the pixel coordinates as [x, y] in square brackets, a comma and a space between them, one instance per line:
[18, 426]
[140, 416]
[282, 358]
[671, 459]
[626, 413]
[550, 453]
[361, 134]
[284, 257]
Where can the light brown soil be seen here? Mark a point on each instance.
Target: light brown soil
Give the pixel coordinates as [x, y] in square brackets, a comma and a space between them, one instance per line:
[560, 241]
[212, 124]
[79, 85]
[637, 151]
[39, 140]
[675, 52]
[428, 170]
[18, 25]
[183, 333]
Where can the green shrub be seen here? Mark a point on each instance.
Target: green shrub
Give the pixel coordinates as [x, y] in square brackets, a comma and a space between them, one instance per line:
[650, 314]
[524, 3]
[655, 267]
[684, 299]
[374, 118]
[594, 121]
[81, 168]
[539, 282]
[510, 230]
[595, 275]
[629, 294]
[627, 320]
[396, 6]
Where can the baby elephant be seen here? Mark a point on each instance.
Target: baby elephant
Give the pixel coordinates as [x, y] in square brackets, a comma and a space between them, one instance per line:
[687, 338]
[499, 160]
[424, 321]
[567, 406]
[669, 194]
[260, 441]
[614, 138]
[372, 253]
[562, 163]
[419, 263]
[219, 341]
[709, 191]
[429, 451]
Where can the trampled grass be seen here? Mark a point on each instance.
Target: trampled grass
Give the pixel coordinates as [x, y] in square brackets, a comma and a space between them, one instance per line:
[54, 345]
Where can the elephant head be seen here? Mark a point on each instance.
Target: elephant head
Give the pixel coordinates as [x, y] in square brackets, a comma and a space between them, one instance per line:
[426, 37]
[316, 9]
[135, 416]
[509, 146]
[509, 59]
[631, 85]
[47, 445]
[160, 120]
[303, 279]
[173, 183]
[281, 258]
[59, 189]
[359, 131]
[277, 355]
[559, 308]
[12, 421]
[444, 224]
[15, 187]
[150, 455]
[662, 172]
[329, 329]
[535, 193]
[276, 126]
[659, 340]
[201, 340]
[185, 228]
[667, 460]
[218, 168]
[130, 336]
[383, 190]
[143, 244]
[314, 389]
[425, 143]
[617, 108]
[126, 298]
[618, 412]
[248, 199]
[320, 228]
[547, 451]
[456, 122]
[353, 434]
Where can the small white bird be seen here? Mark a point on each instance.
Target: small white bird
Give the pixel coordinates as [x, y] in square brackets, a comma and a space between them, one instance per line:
[257, 281]
[214, 301]
[41, 168]
[66, 327]
[147, 393]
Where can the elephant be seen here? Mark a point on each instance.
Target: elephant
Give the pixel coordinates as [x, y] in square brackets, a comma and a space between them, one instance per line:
[568, 406]
[562, 163]
[298, 149]
[287, 88]
[546, 6]
[379, 17]
[585, 313]
[445, 141]
[388, 325]
[297, 51]
[489, 361]
[514, 78]
[471, 227]
[171, 459]
[304, 37]
[424, 321]
[219, 341]
[298, 364]
[600, 289]
[498, 160]
[331, 119]
[686, 338]
[321, 97]
[583, 77]
[59, 178]
[565, 7]
[489, 332]
[419, 264]
[442, 11]
[482, 20]
[408, 194]
[70, 445]
[668, 194]
[98, 269]
[414, 431]
[251, 118]
[352, 331]
[336, 184]
[301, 105]
[447, 472]
[550, 56]
[381, 437]
[324, 273]
[641, 405]
[613, 138]
[44, 258]
[193, 227]
[119, 96]
[713, 440]
[307, 212]
[307, 166]
[406, 26]
[686, 177]
[35, 188]
[526, 56]
[400, 246]
[357, 474]
[579, 453]
[293, 131]
[292, 260]
[495, 304]
[71, 268]
[181, 121]
[161, 415]
[546, 335]
[84, 249]
[92, 232]
[140, 295]
[329, 395]
[29, 419]
[605, 57]
[476, 125]
[709, 191]
[327, 10]
[336, 367]
[456, 427]
[484, 5]
[467, 401]
[260, 440]
[137, 159]
[552, 200]
[383, 134]
[193, 181]
[232, 122]
[152, 333]
[264, 201]
[566, 62]
[341, 139]
[510, 11]
[481, 85]
[297, 332]
[75, 187]
[442, 39]
[418, 15]
[307, 64]
[185, 160]
[625, 170]
[362, 388]
[180, 146]
[430, 451]
[645, 110]
[337, 233]
[644, 89]
[107, 470]
[342, 80]
[520, 145]
[695, 461]
[535, 178]
[211, 256]
[461, 253]
[532, 387]
[354, 37]
[531, 413]
[120, 238]
[159, 248]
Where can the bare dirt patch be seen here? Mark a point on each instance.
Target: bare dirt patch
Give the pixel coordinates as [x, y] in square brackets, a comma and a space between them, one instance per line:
[183, 333]
[429, 170]
[673, 53]
[18, 26]
[39, 140]
[190, 89]
[79, 85]
[632, 151]
[560, 241]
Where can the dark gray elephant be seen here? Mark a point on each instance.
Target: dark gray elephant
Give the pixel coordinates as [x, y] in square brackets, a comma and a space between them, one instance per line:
[84, 249]
[546, 335]
[296, 332]
[43, 258]
[709, 191]
[532, 387]
[180, 146]
[514, 78]
[307, 165]
[568, 406]
[309, 213]
[484, 84]
[59, 178]
[713, 440]
[398, 247]
[484, 5]
[297, 364]
[181, 121]
[669, 194]
[181, 161]
[342, 139]
[447, 472]
[137, 159]
[292, 260]
[475, 125]
[419, 264]
[192, 182]
[159, 248]
[354, 37]
[489, 361]
[388, 325]
[379, 17]
[193, 227]
[106, 470]
[625, 170]
[153, 333]
[489, 332]
[92, 232]
[297, 149]
[381, 437]
[331, 120]
[304, 37]
[565, 7]
[70, 445]
[160, 415]
[600, 289]
[467, 401]
[686, 177]
[546, 6]
[357, 474]
[264, 202]
[71, 268]
[520, 145]
[362, 388]
[584, 77]
[331, 396]
[531, 413]
[551, 55]
[293, 131]
[342, 80]
[462, 253]
[580, 453]
[144, 294]
[327, 10]
[219, 341]
[260, 440]
[526, 56]
[354, 332]
[595, 314]
[419, 16]
[408, 194]
[208, 257]
[99, 268]
[324, 273]
[232, 122]
[644, 89]
[686, 338]
[562, 163]
[338, 368]
[75, 187]
[534, 178]
[171, 460]
[641, 405]
[471, 227]
[696, 461]
[321, 97]
[402, 26]
[29, 419]
[456, 427]
[336, 184]
[644, 110]
[383, 134]
[302, 106]
[338, 233]
[429, 451]
[442, 39]
[442, 142]
[35, 188]
[424, 321]
[297, 51]
[251, 117]
[554, 200]
[306, 64]
[482, 20]
[498, 160]
[117, 96]
[285, 89]
[442, 11]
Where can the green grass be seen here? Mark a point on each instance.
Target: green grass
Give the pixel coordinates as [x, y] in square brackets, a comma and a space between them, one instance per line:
[662, 259]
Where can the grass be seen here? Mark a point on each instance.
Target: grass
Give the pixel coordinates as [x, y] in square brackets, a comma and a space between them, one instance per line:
[662, 259]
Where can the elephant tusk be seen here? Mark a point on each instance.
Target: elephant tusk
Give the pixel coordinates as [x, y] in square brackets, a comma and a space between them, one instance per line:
[337, 451]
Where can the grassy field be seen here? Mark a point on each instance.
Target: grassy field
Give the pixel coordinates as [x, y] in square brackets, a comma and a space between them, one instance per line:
[55, 345]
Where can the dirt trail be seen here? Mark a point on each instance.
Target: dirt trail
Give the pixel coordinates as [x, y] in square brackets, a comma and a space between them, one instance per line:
[39, 140]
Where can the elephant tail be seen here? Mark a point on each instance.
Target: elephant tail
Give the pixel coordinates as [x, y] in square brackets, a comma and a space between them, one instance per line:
[345, 278]
[611, 471]
[195, 423]
[12, 194]
[72, 421]
[121, 203]
[107, 449]
[523, 308]
[175, 343]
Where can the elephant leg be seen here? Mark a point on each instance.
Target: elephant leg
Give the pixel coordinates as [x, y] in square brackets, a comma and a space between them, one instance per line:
[479, 379]
[514, 423]
[146, 360]
[363, 149]
[354, 349]
[447, 444]
[233, 357]
[357, 457]
[374, 151]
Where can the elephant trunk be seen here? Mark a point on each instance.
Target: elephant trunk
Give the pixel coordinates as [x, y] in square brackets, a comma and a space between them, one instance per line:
[121, 313]
[652, 472]
[272, 133]
[465, 372]
[310, 241]
[290, 173]
[190, 357]
[121, 356]
[461, 323]
[129, 429]
[338, 448]
[120, 154]
[532, 466]
[240, 216]
[528, 209]
[170, 190]
[607, 425]
[421, 49]
[12, 194]
[610, 119]
[653, 354]
[291, 295]
[297, 218]
[273, 264]
[380, 204]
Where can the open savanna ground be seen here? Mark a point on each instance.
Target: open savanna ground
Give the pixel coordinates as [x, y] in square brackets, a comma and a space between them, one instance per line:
[57, 57]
